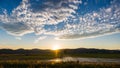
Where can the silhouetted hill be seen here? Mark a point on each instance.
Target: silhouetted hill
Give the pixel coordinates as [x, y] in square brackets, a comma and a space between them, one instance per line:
[65, 51]
[84, 50]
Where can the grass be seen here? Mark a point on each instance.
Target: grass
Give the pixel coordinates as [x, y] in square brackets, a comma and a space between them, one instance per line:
[52, 56]
[34, 61]
[26, 57]
[95, 55]
[36, 64]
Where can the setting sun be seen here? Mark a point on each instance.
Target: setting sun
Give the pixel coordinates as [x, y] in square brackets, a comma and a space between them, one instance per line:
[56, 47]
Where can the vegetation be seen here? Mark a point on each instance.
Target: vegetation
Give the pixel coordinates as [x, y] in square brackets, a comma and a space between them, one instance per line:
[65, 51]
[95, 55]
[34, 58]
[37, 54]
[52, 56]
[35, 64]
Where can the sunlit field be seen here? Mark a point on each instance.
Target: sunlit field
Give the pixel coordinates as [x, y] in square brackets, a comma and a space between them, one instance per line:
[60, 58]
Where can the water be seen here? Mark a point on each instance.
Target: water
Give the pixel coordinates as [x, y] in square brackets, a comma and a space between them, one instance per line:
[74, 59]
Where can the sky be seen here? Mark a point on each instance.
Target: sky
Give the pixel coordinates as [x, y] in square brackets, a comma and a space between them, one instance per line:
[70, 24]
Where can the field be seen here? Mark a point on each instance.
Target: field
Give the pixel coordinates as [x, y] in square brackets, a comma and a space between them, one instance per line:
[36, 61]
[39, 59]
[52, 56]
[35, 64]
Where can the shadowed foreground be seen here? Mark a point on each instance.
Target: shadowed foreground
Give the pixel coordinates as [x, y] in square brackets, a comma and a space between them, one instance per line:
[35, 64]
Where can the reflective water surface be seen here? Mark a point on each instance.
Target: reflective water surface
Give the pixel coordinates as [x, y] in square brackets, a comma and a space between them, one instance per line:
[78, 59]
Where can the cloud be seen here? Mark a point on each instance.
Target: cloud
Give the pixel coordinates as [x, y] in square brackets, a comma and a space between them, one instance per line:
[40, 38]
[17, 29]
[61, 19]
[18, 38]
[97, 23]
[31, 14]
[85, 35]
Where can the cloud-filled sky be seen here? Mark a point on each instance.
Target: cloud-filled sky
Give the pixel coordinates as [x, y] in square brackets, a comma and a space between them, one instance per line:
[59, 19]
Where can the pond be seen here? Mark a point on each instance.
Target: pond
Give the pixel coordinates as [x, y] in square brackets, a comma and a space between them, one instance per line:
[79, 59]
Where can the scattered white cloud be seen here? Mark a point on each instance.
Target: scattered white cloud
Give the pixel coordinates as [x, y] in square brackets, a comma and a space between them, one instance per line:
[97, 23]
[60, 18]
[30, 15]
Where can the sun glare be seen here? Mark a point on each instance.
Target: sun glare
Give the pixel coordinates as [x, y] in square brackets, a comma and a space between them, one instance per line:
[56, 47]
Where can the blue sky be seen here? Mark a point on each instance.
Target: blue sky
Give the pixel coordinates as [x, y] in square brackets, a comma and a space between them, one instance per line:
[68, 23]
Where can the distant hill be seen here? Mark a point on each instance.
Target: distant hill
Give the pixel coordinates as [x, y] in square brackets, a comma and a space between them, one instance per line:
[65, 51]
[91, 50]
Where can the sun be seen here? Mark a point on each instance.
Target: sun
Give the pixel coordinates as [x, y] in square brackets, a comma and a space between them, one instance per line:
[56, 47]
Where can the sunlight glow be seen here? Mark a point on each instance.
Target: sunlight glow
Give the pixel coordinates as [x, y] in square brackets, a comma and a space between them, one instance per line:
[55, 47]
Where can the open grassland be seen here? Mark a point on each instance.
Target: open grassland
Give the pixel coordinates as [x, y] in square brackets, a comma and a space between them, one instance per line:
[39, 58]
[26, 57]
[95, 55]
[36, 64]
[40, 61]
[52, 56]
